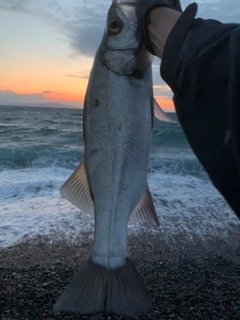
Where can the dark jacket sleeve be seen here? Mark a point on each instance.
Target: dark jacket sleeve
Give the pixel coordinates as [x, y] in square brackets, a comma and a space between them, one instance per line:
[201, 64]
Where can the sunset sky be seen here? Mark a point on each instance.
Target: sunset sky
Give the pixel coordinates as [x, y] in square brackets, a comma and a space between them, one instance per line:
[47, 47]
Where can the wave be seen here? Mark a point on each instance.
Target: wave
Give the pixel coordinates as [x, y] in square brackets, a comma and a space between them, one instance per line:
[169, 135]
[4, 125]
[177, 164]
[11, 129]
[54, 138]
[185, 205]
[170, 139]
[40, 156]
[43, 156]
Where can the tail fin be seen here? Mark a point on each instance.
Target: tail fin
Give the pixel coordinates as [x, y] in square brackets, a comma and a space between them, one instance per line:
[97, 289]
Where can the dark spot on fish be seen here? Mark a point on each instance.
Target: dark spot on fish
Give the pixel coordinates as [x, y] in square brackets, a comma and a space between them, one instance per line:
[94, 151]
[96, 103]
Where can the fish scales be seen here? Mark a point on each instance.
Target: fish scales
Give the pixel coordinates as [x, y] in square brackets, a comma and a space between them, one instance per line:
[117, 169]
[111, 180]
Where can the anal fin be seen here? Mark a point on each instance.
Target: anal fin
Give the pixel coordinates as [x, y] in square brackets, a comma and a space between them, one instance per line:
[77, 190]
[145, 209]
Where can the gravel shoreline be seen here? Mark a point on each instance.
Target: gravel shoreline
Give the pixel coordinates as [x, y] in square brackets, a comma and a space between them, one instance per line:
[194, 280]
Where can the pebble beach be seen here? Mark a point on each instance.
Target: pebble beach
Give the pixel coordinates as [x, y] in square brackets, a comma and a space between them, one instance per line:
[187, 280]
[190, 264]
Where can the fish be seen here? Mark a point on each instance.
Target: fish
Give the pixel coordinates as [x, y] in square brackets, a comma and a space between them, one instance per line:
[111, 179]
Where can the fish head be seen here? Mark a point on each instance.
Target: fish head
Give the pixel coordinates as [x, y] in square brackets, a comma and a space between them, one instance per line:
[122, 51]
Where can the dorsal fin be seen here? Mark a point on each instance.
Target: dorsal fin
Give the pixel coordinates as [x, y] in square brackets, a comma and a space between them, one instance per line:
[77, 190]
[145, 209]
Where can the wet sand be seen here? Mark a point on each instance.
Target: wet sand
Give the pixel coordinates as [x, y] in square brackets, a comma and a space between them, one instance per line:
[187, 279]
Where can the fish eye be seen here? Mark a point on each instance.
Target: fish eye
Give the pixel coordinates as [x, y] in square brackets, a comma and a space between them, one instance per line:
[114, 26]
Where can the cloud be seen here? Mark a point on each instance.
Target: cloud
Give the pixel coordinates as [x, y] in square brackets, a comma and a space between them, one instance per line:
[77, 76]
[82, 22]
[161, 97]
[161, 90]
[222, 10]
[85, 39]
[85, 29]
[162, 87]
[7, 93]
[10, 97]
[15, 5]
[49, 92]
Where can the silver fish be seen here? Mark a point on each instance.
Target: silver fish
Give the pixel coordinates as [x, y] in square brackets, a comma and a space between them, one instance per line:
[111, 180]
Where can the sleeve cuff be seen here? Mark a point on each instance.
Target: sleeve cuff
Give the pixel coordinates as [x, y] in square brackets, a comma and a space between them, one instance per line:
[174, 43]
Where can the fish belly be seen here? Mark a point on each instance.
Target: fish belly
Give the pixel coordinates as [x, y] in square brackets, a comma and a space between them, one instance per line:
[117, 142]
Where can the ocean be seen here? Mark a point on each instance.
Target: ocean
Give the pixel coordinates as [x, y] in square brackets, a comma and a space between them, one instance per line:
[40, 148]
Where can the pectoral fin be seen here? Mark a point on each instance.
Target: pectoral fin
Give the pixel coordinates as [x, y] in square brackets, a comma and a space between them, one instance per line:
[144, 60]
[160, 114]
[145, 209]
[77, 190]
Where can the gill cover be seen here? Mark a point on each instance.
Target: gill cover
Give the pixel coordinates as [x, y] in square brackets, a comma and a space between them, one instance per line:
[121, 50]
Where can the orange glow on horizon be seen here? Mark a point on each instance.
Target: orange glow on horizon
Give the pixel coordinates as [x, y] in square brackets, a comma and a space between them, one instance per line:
[65, 96]
[165, 103]
[76, 93]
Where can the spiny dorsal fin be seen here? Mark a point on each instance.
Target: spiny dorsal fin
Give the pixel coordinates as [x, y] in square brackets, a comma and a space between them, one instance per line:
[145, 209]
[77, 190]
[160, 114]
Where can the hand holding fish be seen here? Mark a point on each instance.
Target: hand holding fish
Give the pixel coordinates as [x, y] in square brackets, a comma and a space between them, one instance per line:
[156, 19]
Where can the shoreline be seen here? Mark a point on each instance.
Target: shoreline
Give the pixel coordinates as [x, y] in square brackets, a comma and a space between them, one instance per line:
[187, 281]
